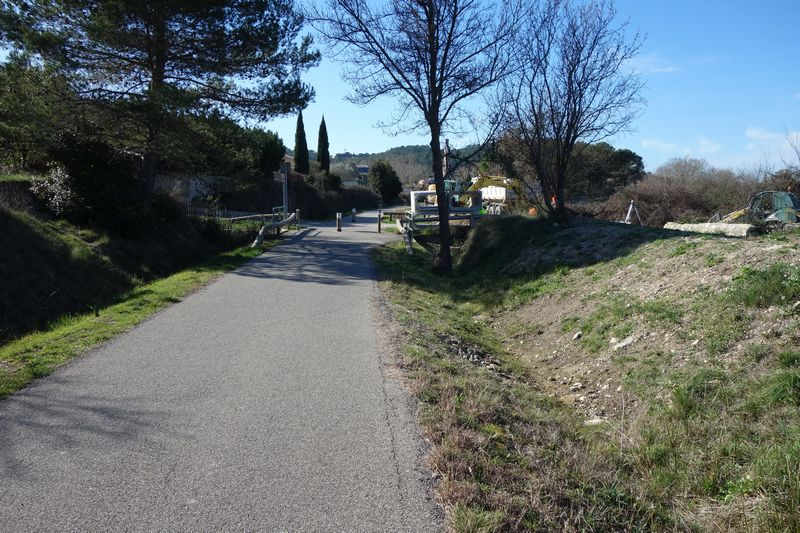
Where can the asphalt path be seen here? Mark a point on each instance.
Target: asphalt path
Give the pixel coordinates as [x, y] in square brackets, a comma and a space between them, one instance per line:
[263, 402]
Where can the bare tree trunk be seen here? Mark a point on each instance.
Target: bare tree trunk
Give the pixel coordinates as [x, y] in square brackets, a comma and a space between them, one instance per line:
[158, 54]
[443, 263]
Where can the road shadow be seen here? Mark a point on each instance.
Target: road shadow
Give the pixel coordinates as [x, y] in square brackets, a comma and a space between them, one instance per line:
[35, 422]
[314, 256]
[504, 252]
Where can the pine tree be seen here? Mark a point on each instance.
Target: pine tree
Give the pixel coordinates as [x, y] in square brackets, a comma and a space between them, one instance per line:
[300, 147]
[153, 60]
[323, 155]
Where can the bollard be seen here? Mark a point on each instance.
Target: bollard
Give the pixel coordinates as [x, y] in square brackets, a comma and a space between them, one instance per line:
[380, 216]
[297, 218]
[338, 222]
[354, 215]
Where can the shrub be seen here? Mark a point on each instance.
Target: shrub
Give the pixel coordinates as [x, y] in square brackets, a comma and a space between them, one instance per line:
[102, 182]
[384, 181]
[332, 182]
[316, 204]
[54, 190]
[684, 190]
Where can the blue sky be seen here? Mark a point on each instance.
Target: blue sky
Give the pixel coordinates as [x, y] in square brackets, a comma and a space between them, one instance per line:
[722, 83]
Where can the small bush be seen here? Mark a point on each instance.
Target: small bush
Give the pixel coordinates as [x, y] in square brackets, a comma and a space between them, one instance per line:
[55, 190]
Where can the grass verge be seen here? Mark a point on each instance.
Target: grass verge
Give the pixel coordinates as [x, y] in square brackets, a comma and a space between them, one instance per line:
[510, 457]
[709, 441]
[38, 354]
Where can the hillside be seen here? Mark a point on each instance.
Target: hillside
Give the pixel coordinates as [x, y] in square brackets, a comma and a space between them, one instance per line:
[608, 377]
[51, 268]
[411, 163]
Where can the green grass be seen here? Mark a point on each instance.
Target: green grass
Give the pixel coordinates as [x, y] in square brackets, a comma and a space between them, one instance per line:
[776, 285]
[54, 267]
[39, 353]
[16, 177]
[683, 248]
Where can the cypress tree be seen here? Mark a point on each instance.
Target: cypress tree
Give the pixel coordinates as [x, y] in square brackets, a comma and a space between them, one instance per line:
[300, 147]
[323, 155]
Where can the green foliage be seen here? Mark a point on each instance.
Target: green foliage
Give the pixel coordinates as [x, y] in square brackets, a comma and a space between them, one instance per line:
[272, 152]
[789, 358]
[332, 182]
[101, 184]
[301, 163]
[384, 181]
[315, 203]
[323, 153]
[595, 170]
[411, 163]
[34, 107]
[191, 45]
[150, 64]
[598, 170]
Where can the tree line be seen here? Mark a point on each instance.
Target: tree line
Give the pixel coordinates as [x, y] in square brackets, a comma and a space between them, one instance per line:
[146, 76]
[552, 71]
[166, 85]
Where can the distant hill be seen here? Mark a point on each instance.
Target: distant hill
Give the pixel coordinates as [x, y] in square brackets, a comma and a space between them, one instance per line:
[412, 162]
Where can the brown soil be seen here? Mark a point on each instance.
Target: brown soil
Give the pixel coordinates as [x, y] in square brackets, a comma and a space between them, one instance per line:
[617, 263]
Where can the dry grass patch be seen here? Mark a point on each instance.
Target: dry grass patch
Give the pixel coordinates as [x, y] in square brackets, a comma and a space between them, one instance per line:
[692, 425]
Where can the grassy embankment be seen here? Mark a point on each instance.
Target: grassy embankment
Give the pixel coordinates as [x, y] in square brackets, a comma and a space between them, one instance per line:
[540, 420]
[15, 177]
[66, 289]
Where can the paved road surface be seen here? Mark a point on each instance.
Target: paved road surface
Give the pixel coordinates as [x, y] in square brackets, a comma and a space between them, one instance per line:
[261, 403]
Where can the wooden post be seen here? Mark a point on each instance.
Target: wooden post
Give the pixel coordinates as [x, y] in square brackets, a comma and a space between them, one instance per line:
[380, 216]
[338, 222]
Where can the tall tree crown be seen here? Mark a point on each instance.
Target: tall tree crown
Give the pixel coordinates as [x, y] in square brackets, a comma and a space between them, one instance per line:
[323, 152]
[301, 164]
[243, 55]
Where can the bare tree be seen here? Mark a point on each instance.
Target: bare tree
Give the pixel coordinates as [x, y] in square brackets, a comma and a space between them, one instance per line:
[431, 54]
[572, 84]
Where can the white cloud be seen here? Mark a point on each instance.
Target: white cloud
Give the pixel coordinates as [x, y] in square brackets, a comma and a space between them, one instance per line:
[703, 146]
[776, 147]
[651, 64]
[707, 146]
[660, 146]
[762, 135]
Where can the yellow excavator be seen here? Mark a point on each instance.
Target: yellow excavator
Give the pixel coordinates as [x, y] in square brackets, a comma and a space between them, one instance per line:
[766, 211]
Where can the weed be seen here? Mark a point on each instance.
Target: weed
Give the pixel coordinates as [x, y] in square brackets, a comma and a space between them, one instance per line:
[473, 520]
[712, 260]
[661, 311]
[789, 358]
[569, 323]
[758, 352]
[783, 387]
[498, 440]
[778, 284]
[684, 247]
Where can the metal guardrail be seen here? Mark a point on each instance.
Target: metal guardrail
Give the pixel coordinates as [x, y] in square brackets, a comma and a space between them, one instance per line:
[293, 218]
